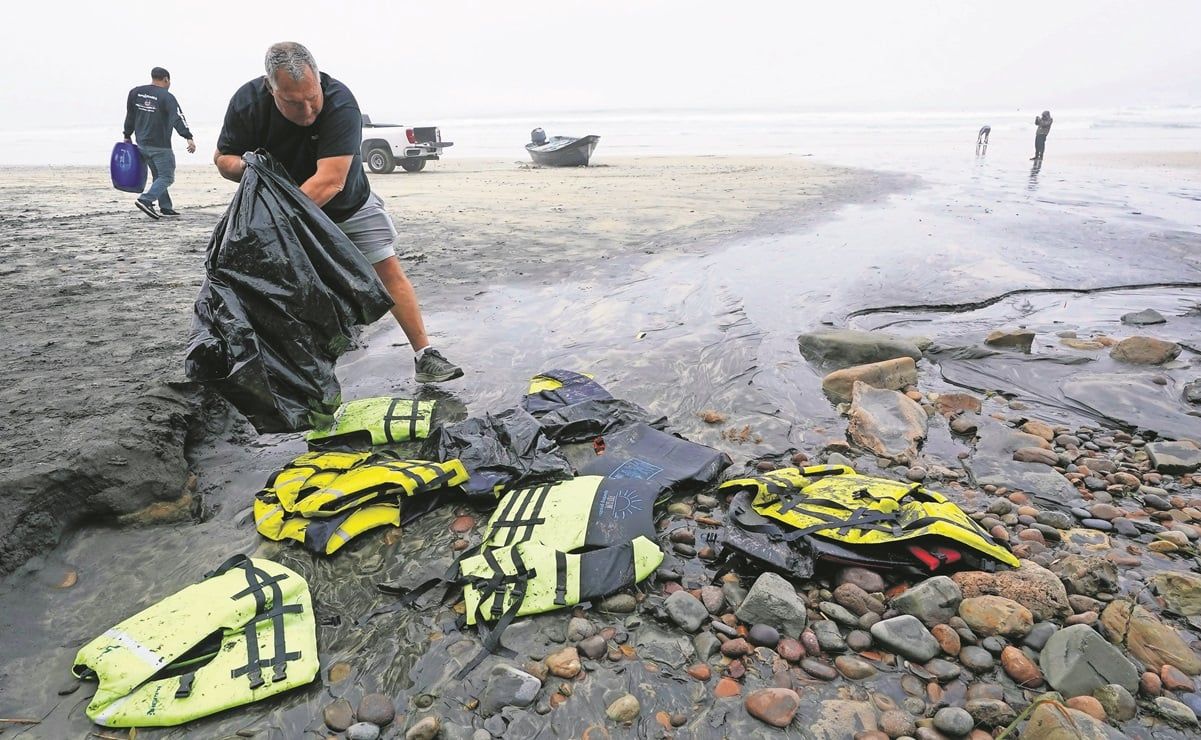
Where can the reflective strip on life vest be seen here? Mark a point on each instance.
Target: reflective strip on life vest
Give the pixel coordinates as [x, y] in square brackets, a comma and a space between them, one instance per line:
[270, 513]
[147, 655]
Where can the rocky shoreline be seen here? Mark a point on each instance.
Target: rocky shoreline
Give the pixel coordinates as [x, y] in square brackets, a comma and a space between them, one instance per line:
[1093, 636]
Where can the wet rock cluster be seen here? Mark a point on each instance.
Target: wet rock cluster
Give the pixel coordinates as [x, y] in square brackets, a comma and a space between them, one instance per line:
[1084, 634]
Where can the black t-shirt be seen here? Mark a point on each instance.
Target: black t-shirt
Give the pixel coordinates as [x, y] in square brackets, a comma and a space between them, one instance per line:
[252, 121]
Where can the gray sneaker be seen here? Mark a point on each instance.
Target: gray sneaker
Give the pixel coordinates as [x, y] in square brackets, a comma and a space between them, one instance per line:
[434, 368]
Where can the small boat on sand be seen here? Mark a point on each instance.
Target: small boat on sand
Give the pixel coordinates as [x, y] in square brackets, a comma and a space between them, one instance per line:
[560, 151]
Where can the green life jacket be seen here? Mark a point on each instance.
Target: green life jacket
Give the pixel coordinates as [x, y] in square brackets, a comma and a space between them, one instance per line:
[244, 633]
[835, 502]
[324, 500]
[375, 421]
[556, 545]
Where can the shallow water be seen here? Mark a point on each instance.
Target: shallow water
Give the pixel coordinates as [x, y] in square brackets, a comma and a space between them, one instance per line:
[676, 334]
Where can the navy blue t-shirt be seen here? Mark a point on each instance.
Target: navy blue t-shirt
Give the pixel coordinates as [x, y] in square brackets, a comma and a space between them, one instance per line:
[150, 114]
[252, 122]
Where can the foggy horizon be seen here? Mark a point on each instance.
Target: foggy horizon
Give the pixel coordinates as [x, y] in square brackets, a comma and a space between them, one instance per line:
[465, 60]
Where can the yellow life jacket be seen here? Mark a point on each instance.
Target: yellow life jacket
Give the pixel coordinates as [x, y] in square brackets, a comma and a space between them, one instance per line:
[375, 421]
[324, 500]
[569, 528]
[552, 546]
[244, 633]
[835, 502]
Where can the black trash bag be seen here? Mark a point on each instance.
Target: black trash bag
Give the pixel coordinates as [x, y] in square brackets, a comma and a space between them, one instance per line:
[584, 421]
[645, 453]
[500, 451]
[283, 291]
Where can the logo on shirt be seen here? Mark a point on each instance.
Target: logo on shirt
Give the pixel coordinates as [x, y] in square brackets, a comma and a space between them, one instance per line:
[146, 103]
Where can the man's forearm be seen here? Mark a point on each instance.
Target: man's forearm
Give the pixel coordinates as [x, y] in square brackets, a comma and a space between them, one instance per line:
[230, 166]
[320, 190]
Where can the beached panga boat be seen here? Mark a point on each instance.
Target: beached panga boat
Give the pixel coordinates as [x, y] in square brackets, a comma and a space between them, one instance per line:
[560, 151]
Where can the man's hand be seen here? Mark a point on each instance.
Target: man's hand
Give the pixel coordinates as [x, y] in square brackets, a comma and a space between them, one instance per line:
[128, 140]
[191, 146]
[230, 166]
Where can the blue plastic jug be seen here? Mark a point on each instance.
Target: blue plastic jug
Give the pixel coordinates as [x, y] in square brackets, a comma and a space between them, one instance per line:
[128, 168]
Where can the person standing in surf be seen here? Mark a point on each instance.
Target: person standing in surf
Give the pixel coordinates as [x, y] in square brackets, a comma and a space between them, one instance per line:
[1040, 136]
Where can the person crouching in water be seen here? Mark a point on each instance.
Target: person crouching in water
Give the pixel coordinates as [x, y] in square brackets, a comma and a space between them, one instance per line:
[1040, 136]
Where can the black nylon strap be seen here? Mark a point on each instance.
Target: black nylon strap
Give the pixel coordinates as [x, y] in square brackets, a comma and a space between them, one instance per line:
[535, 495]
[258, 586]
[534, 518]
[560, 578]
[405, 468]
[234, 561]
[495, 584]
[491, 638]
[928, 520]
[509, 502]
[258, 581]
[409, 596]
[389, 417]
[526, 496]
[865, 519]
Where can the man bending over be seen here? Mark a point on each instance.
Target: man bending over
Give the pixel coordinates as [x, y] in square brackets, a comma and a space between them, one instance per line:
[311, 124]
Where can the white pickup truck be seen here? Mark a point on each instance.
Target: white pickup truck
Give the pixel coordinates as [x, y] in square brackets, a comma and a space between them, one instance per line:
[386, 145]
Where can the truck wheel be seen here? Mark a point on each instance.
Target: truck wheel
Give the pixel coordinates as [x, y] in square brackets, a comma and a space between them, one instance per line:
[412, 164]
[380, 161]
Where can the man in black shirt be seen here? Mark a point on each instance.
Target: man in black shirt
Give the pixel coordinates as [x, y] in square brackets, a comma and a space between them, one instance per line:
[311, 124]
[150, 114]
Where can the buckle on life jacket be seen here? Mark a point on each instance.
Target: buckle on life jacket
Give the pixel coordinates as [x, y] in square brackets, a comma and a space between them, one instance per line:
[185, 685]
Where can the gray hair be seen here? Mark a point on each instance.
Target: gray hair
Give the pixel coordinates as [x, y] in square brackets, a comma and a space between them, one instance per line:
[291, 57]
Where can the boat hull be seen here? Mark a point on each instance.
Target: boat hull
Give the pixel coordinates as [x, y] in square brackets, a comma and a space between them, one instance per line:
[563, 151]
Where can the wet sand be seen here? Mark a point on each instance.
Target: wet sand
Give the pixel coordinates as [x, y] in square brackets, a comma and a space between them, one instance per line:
[1168, 160]
[98, 297]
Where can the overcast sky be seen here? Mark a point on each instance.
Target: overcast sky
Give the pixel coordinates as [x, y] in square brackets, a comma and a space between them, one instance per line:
[71, 63]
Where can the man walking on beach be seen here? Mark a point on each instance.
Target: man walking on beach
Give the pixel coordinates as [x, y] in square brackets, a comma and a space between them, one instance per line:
[311, 124]
[150, 114]
[1040, 136]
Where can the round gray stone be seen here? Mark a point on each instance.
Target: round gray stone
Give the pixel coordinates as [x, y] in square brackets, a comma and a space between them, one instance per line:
[907, 636]
[763, 635]
[686, 611]
[953, 721]
[362, 731]
[976, 659]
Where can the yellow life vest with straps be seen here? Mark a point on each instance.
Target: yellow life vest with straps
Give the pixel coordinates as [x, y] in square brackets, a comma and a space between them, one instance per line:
[244, 633]
[835, 502]
[375, 421]
[551, 546]
[564, 543]
[324, 500]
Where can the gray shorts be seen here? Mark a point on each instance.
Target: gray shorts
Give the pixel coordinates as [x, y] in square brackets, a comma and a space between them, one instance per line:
[372, 231]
